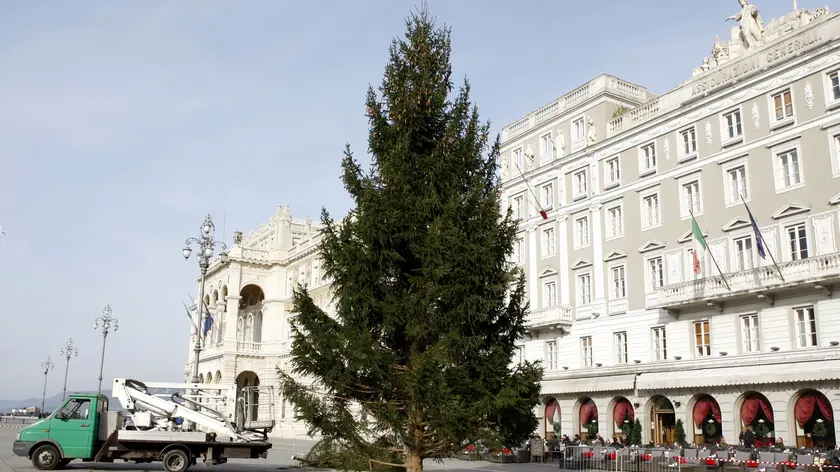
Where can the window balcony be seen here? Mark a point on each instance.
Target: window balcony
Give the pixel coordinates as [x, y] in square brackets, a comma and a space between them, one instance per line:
[250, 347]
[555, 317]
[814, 273]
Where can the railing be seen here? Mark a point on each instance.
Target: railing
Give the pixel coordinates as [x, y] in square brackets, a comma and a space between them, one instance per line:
[544, 317]
[603, 83]
[243, 346]
[812, 269]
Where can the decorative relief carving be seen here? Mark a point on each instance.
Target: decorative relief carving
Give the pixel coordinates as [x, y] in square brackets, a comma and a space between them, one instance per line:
[560, 144]
[759, 89]
[709, 133]
[505, 172]
[809, 95]
[718, 250]
[824, 230]
[237, 237]
[674, 261]
[529, 157]
[769, 236]
[666, 149]
[756, 115]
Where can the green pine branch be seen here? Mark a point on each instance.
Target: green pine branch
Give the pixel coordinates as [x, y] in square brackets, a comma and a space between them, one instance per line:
[416, 360]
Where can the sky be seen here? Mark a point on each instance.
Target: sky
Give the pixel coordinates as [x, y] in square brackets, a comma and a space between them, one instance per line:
[122, 124]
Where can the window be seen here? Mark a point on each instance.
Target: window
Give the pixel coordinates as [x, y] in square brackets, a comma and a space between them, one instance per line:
[656, 273]
[580, 183]
[702, 339]
[549, 294]
[744, 253]
[737, 177]
[798, 241]
[806, 326]
[689, 142]
[518, 161]
[76, 409]
[732, 124]
[551, 355]
[586, 351]
[619, 284]
[789, 172]
[547, 196]
[582, 232]
[615, 222]
[612, 171]
[834, 86]
[749, 333]
[648, 157]
[650, 210]
[782, 105]
[621, 347]
[548, 242]
[518, 206]
[578, 129]
[546, 146]
[691, 199]
[520, 354]
[519, 251]
[660, 347]
[584, 289]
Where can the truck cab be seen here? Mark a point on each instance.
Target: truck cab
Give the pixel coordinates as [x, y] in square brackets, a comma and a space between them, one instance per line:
[70, 432]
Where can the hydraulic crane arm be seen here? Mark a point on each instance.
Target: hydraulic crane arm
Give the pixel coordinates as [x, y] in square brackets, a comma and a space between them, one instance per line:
[134, 396]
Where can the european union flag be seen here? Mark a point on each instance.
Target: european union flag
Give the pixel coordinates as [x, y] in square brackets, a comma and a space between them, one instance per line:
[759, 241]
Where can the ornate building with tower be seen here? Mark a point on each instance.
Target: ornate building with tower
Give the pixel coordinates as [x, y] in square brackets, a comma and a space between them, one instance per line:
[249, 300]
[653, 294]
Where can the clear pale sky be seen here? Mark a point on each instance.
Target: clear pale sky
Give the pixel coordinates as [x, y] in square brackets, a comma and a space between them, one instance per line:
[122, 124]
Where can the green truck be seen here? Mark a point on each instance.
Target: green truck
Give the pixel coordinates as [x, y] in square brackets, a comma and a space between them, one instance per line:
[82, 428]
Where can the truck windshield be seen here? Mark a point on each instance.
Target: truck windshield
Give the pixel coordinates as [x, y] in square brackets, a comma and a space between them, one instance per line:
[76, 409]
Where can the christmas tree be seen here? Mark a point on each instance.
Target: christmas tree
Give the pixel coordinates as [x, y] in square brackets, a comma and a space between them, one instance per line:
[679, 434]
[416, 361]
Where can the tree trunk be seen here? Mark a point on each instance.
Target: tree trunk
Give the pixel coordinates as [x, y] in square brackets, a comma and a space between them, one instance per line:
[413, 463]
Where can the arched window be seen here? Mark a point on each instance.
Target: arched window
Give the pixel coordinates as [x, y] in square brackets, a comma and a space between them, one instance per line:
[257, 333]
[249, 328]
[240, 329]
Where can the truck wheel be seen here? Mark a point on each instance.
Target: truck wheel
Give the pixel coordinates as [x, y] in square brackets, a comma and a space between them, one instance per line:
[176, 460]
[46, 457]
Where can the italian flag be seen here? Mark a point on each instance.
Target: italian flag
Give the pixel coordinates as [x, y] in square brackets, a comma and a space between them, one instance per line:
[699, 245]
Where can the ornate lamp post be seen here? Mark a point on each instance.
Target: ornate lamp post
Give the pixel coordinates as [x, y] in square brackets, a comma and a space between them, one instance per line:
[46, 366]
[69, 350]
[205, 244]
[106, 320]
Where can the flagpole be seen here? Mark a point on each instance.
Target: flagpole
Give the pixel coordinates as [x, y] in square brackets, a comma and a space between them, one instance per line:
[763, 241]
[725, 281]
[528, 184]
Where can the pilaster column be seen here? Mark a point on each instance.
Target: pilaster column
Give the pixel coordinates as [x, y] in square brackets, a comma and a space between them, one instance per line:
[597, 252]
[231, 319]
[533, 282]
[563, 270]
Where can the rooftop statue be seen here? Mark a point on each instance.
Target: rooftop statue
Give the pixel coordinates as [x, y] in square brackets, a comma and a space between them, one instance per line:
[752, 28]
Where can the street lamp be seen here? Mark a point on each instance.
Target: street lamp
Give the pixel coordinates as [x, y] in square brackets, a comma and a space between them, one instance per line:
[46, 366]
[69, 350]
[205, 244]
[106, 320]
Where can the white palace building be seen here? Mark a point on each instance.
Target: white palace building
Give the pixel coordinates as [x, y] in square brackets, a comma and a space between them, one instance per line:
[605, 181]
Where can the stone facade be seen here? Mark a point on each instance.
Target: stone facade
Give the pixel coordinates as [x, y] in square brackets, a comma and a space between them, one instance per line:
[620, 312]
[249, 298]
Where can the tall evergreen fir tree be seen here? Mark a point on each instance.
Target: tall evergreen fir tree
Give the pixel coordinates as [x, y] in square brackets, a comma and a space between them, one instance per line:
[416, 361]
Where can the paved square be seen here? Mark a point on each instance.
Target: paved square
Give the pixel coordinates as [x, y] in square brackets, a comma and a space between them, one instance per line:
[279, 457]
